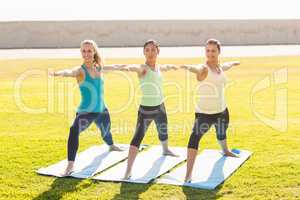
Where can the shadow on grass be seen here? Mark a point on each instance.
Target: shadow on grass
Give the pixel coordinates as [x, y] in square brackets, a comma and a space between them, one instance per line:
[198, 194]
[59, 187]
[131, 191]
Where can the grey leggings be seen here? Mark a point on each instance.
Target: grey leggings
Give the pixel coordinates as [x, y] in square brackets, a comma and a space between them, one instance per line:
[203, 123]
[146, 115]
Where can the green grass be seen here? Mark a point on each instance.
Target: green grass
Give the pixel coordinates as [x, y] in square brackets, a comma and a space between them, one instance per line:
[30, 141]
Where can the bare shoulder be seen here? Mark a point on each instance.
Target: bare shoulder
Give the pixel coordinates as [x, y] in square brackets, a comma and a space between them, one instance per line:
[203, 72]
[203, 67]
[143, 66]
[77, 71]
[142, 70]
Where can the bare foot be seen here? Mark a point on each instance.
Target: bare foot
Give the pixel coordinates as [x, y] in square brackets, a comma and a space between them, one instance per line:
[68, 171]
[188, 180]
[230, 154]
[115, 148]
[127, 176]
[169, 153]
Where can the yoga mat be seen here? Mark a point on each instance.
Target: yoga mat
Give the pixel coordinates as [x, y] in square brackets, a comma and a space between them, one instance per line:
[148, 165]
[211, 168]
[89, 162]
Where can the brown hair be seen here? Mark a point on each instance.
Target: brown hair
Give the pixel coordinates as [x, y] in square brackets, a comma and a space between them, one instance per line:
[98, 61]
[151, 41]
[215, 42]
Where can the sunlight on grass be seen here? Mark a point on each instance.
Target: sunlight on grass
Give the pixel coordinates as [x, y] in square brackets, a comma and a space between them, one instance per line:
[30, 141]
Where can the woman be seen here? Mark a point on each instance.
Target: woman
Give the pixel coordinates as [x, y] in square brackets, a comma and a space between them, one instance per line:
[152, 103]
[92, 107]
[211, 108]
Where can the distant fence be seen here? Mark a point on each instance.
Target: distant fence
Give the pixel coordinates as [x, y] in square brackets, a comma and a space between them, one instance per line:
[130, 33]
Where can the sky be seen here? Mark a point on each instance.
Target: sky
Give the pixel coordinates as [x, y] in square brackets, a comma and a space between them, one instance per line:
[18, 10]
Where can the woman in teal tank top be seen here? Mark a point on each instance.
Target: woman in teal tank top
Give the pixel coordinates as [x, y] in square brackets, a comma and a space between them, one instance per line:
[92, 107]
[152, 103]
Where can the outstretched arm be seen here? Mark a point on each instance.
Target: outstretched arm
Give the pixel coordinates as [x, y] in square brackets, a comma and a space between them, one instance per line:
[139, 69]
[193, 68]
[200, 70]
[167, 67]
[67, 72]
[115, 67]
[226, 66]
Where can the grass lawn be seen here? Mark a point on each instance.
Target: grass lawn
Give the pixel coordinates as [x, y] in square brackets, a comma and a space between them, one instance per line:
[36, 116]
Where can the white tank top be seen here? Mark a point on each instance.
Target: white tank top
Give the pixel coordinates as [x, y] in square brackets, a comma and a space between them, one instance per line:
[211, 93]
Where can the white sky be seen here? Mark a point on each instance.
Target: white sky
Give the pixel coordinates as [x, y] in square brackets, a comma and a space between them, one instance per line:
[11, 10]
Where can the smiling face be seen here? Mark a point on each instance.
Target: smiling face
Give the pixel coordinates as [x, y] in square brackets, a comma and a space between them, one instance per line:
[212, 52]
[151, 51]
[87, 52]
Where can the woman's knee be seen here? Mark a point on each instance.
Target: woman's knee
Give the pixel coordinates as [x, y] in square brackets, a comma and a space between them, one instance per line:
[194, 140]
[136, 141]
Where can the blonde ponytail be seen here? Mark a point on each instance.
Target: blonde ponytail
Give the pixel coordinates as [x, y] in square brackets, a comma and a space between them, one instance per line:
[98, 61]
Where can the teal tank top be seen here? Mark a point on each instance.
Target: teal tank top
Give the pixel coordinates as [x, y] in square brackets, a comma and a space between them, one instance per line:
[91, 90]
[151, 87]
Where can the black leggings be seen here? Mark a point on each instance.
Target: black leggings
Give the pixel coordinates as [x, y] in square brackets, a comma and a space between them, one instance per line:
[203, 123]
[82, 122]
[146, 115]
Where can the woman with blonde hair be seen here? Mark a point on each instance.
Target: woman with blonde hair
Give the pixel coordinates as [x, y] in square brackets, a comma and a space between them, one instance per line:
[92, 108]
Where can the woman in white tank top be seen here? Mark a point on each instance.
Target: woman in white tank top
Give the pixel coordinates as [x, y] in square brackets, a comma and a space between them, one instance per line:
[211, 108]
[211, 91]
